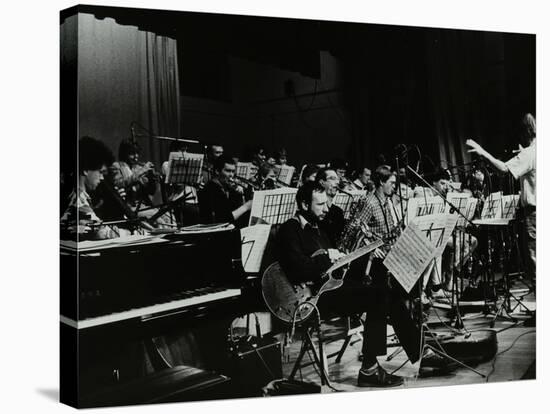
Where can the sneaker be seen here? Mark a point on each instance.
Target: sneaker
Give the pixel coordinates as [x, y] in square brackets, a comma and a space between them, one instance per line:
[378, 378]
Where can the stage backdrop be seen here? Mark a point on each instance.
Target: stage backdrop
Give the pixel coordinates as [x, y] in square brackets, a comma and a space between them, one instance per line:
[125, 75]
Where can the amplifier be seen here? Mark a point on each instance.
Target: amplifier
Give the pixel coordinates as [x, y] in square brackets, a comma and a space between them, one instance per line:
[252, 363]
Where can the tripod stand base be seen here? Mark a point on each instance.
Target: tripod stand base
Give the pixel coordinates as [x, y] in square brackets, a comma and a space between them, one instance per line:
[475, 347]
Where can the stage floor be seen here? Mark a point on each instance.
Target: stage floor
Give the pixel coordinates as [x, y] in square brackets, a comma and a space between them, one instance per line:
[515, 358]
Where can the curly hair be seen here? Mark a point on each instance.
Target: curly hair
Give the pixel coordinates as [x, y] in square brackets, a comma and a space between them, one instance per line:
[93, 154]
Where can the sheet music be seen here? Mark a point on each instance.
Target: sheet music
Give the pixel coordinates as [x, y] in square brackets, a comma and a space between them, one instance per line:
[437, 229]
[465, 204]
[246, 170]
[421, 206]
[273, 206]
[346, 203]
[284, 173]
[409, 256]
[492, 209]
[253, 242]
[510, 204]
[184, 168]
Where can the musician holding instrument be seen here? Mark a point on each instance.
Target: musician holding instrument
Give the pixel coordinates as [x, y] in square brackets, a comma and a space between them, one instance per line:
[309, 172]
[523, 167]
[375, 218]
[221, 200]
[341, 167]
[80, 217]
[213, 152]
[137, 179]
[266, 178]
[363, 181]
[333, 223]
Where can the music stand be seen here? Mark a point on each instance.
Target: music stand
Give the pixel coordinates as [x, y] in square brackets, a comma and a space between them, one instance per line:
[407, 238]
[273, 206]
[184, 169]
[347, 200]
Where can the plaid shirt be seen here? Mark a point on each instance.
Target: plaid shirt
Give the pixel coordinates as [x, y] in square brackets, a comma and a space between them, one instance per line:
[371, 219]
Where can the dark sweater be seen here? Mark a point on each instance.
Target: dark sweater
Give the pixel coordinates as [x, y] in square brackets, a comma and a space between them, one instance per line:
[296, 246]
[216, 205]
[333, 224]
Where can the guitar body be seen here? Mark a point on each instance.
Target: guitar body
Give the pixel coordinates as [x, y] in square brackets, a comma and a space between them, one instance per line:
[289, 302]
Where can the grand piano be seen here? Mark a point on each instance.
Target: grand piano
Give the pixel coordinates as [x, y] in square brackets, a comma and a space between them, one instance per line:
[120, 300]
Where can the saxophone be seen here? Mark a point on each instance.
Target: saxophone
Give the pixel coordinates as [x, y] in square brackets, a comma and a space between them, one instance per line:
[355, 231]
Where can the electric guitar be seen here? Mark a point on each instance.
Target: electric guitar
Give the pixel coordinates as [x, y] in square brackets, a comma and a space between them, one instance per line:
[296, 303]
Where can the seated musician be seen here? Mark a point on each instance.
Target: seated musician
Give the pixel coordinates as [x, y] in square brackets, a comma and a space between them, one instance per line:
[333, 223]
[214, 152]
[375, 217]
[80, 217]
[363, 182]
[281, 157]
[476, 187]
[441, 280]
[220, 201]
[309, 173]
[266, 178]
[341, 168]
[136, 178]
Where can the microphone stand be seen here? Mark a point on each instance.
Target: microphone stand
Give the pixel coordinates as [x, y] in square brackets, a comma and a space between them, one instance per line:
[459, 324]
[398, 178]
[425, 329]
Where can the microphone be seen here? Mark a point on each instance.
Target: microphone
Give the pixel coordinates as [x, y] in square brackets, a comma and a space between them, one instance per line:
[401, 149]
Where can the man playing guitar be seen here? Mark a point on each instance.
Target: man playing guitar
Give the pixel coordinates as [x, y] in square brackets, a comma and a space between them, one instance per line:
[300, 240]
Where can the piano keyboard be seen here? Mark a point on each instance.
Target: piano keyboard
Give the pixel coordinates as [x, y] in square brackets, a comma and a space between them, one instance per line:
[148, 312]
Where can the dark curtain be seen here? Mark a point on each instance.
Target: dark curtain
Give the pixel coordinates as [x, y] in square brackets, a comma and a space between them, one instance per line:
[127, 75]
[434, 88]
[385, 91]
[480, 84]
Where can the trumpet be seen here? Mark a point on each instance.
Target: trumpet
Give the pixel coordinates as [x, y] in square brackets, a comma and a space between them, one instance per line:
[148, 170]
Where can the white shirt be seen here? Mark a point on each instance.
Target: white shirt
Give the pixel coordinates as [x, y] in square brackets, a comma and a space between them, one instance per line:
[524, 168]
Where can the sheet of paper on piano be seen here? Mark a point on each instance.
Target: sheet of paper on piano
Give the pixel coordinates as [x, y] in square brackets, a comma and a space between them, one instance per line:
[206, 228]
[253, 243]
[409, 256]
[96, 245]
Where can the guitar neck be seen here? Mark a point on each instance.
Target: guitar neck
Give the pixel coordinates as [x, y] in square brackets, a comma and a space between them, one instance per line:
[354, 255]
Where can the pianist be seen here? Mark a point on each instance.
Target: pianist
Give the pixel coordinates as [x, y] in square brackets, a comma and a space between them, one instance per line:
[80, 217]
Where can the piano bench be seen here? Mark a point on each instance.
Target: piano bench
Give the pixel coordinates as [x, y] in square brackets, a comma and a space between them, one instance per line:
[179, 383]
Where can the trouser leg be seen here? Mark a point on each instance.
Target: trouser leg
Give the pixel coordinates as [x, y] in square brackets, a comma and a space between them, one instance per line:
[383, 301]
[531, 243]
